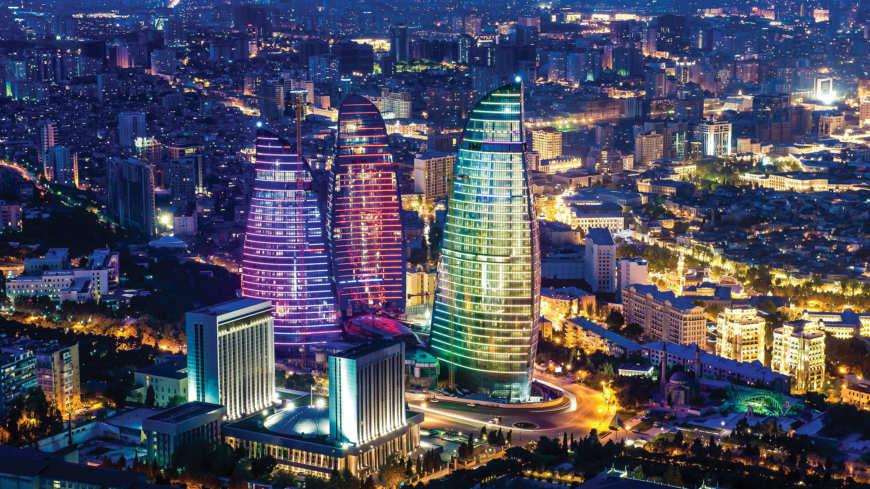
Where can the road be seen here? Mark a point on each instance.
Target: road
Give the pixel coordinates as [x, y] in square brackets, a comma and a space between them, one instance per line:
[584, 410]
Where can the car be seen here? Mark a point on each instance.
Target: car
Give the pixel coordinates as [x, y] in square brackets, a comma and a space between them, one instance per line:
[635, 430]
[435, 400]
[471, 404]
[494, 421]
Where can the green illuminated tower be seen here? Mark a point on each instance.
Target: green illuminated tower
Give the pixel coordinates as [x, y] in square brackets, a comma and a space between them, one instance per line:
[485, 320]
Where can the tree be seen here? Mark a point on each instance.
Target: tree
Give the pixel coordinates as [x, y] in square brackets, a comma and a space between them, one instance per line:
[510, 438]
[283, 478]
[637, 473]
[369, 483]
[670, 399]
[483, 432]
[673, 476]
[392, 472]
[614, 320]
[314, 482]
[175, 401]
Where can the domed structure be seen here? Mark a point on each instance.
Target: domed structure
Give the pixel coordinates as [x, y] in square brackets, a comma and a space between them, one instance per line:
[304, 421]
[680, 378]
[681, 388]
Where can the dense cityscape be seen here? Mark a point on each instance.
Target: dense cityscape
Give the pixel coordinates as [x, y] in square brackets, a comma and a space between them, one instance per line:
[331, 244]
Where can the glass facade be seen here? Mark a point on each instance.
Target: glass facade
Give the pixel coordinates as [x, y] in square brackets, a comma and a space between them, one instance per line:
[285, 258]
[487, 303]
[365, 225]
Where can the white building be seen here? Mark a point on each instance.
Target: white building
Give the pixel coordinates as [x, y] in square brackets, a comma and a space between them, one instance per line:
[630, 271]
[715, 138]
[47, 139]
[131, 125]
[600, 269]
[799, 352]
[432, 170]
[231, 356]
[740, 334]
[830, 124]
[367, 392]
[53, 276]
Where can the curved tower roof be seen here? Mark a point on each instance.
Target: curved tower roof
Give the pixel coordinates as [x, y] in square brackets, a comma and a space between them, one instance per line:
[285, 257]
[365, 225]
[487, 304]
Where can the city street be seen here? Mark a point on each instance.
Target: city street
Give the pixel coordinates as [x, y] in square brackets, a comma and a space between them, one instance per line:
[585, 409]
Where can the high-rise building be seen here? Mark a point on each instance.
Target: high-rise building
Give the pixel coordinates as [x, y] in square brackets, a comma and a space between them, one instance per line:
[231, 355]
[648, 146]
[630, 271]
[604, 135]
[831, 123]
[715, 138]
[151, 151]
[131, 125]
[47, 139]
[799, 352]
[547, 142]
[130, 190]
[487, 305]
[64, 165]
[664, 316]
[354, 58]
[195, 152]
[285, 259]
[272, 99]
[432, 171]
[324, 68]
[600, 268]
[367, 392]
[365, 225]
[451, 104]
[17, 375]
[864, 119]
[107, 87]
[740, 334]
[823, 90]
[650, 37]
[182, 179]
[399, 43]
[396, 101]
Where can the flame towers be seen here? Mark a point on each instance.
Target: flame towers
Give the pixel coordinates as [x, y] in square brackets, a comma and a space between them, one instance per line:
[285, 257]
[487, 304]
[365, 226]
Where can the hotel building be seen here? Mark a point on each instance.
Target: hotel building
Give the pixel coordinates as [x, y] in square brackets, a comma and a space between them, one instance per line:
[230, 356]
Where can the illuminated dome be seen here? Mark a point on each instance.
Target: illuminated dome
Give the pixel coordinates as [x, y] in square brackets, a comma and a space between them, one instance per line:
[302, 421]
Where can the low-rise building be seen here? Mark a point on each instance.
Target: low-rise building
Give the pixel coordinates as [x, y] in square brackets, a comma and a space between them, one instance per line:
[856, 391]
[841, 325]
[168, 379]
[421, 370]
[53, 276]
[593, 337]
[716, 367]
[185, 423]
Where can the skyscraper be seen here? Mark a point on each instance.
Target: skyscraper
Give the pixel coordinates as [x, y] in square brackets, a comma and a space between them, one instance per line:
[131, 125]
[365, 226]
[48, 139]
[64, 165]
[399, 43]
[285, 259]
[487, 303]
[130, 190]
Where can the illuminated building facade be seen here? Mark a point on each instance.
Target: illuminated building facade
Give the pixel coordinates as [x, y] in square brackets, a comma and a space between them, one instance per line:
[285, 259]
[487, 303]
[365, 226]
[230, 356]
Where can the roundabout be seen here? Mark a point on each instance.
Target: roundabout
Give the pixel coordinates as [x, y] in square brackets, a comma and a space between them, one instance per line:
[579, 411]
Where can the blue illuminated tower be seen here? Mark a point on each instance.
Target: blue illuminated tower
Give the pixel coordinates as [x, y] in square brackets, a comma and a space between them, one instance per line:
[285, 258]
[487, 304]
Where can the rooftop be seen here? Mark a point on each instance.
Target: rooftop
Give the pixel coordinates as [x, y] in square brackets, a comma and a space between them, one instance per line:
[600, 236]
[169, 370]
[184, 412]
[363, 350]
